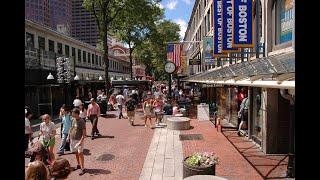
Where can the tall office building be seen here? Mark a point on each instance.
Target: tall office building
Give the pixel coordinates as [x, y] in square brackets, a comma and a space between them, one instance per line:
[38, 11]
[84, 26]
[55, 14]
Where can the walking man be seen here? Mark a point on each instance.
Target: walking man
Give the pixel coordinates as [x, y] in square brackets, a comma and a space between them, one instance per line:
[93, 113]
[120, 101]
[243, 113]
[130, 105]
[77, 102]
[77, 133]
[66, 121]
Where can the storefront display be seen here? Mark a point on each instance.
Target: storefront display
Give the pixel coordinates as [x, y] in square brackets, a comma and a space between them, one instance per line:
[257, 115]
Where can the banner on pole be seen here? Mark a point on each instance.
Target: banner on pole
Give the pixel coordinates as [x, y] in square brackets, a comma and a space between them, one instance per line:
[242, 23]
[217, 28]
[227, 30]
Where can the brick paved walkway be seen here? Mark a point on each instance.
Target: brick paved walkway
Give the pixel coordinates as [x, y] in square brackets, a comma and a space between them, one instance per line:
[125, 152]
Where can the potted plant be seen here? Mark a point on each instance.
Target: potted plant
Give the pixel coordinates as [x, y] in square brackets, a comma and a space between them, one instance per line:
[200, 164]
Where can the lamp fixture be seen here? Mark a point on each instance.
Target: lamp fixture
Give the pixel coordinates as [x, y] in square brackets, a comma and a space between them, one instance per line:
[50, 77]
[76, 78]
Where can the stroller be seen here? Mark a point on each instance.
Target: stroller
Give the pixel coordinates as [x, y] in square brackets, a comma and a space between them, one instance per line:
[39, 151]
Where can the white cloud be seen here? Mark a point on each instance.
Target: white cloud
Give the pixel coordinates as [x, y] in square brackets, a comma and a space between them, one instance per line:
[172, 4]
[187, 1]
[160, 5]
[183, 26]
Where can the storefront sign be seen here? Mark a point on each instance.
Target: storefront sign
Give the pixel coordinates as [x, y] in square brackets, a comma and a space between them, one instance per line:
[212, 85]
[209, 61]
[227, 30]
[217, 27]
[242, 24]
[194, 62]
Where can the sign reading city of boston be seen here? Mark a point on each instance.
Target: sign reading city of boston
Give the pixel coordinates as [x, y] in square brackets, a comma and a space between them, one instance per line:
[227, 30]
[242, 23]
[217, 28]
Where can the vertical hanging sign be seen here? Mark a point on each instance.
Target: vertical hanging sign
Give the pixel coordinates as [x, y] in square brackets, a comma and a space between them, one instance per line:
[208, 50]
[242, 23]
[217, 28]
[227, 29]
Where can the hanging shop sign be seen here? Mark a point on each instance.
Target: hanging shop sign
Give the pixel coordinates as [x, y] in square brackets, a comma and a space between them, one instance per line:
[208, 51]
[209, 62]
[227, 30]
[194, 62]
[217, 28]
[242, 24]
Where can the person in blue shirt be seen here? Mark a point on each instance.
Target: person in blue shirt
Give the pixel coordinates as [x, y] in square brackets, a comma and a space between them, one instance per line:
[66, 121]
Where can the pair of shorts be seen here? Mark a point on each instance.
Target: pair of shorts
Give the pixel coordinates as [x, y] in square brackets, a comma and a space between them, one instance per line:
[130, 113]
[73, 143]
[51, 142]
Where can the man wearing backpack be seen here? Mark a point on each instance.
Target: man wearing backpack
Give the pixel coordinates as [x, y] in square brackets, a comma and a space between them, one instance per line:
[130, 105]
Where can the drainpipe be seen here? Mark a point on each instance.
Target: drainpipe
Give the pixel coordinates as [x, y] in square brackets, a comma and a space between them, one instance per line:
[291, 163]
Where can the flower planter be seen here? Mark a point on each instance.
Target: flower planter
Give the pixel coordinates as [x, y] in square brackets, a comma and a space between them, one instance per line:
[192, 170]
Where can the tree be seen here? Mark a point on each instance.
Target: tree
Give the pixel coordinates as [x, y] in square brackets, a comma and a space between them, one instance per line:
[134, 26]
[105, 12]
[153, 52]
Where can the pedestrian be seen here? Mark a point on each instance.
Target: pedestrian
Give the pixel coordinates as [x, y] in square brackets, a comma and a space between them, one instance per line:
[157, 106]
[60, 169]
[83, 112]
[243, 112]
[37, 170]
[176, 94]
[47, 133]
[77, 102]
[120, 101]
[167, 108]
[240, 97]
[66, 121]
[60, 117]
[77, 134]
[130, 106]
[147, 109]
[27, 128]
[93, 113]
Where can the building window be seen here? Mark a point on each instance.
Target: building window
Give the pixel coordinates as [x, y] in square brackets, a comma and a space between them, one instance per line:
[41, 42]
[283, 21]
[66, 50]
[89, 58]
[96, 59]
[59, 45]
[84, 56]
[99, 60]
[73, 52]
[29, 40]
[51, 45]
[92, 58]
[79, 55]
[208, 21]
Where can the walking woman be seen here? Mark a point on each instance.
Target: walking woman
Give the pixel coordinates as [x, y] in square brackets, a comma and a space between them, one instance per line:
[47, 133]
[83, 112]
[147, 109]
[66, 121]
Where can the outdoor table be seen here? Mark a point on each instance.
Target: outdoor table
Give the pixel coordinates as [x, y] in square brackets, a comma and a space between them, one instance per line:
[204, 177]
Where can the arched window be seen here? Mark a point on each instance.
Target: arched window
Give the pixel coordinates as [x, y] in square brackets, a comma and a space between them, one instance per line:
[284, 18]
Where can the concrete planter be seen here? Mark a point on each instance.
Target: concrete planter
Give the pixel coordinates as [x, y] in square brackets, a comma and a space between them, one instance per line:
[191, 170]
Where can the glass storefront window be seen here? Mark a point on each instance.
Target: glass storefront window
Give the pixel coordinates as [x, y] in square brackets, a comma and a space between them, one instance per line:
[257, 114]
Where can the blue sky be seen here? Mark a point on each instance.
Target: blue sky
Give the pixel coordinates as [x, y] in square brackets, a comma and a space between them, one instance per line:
[178, 11]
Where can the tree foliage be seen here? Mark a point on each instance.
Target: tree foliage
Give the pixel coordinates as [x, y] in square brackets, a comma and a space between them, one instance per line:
[153, 52]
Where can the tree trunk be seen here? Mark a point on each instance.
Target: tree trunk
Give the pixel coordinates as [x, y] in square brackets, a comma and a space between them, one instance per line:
[130, 57]
[106, 67]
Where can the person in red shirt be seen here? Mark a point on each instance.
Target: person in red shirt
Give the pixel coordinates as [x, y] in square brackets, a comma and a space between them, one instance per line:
[240, 97]
[93, 113]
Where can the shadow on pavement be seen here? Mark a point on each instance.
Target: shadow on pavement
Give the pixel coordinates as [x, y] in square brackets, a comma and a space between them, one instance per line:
[97, 171]
[138, 125]
[86, 152]
[103, 136]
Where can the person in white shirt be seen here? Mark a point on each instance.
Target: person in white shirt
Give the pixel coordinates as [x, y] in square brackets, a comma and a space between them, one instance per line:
[27, 128]
[77, 102]
[120, 100]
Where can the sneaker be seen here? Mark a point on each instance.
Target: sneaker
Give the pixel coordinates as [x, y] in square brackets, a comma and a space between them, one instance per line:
[92, 137]
[98, 134]
[239, 133]
[82, 172]
[145, 125]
